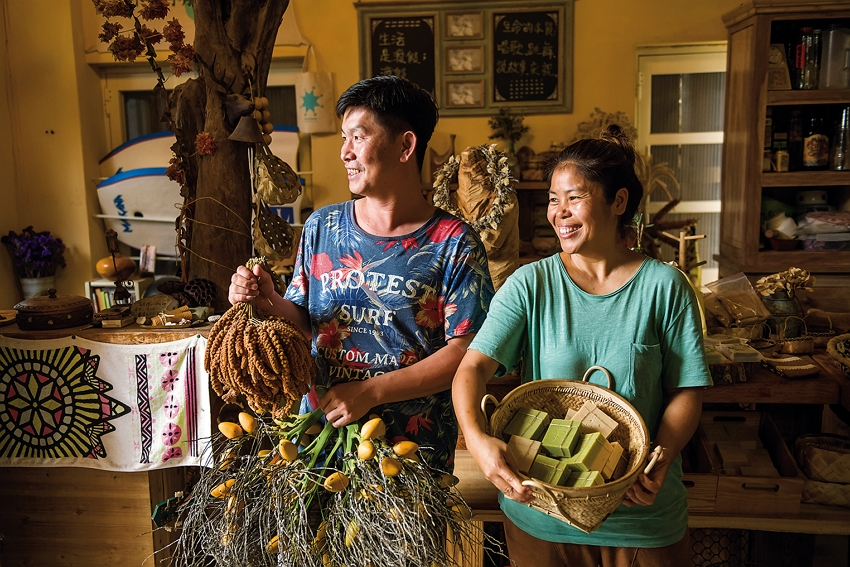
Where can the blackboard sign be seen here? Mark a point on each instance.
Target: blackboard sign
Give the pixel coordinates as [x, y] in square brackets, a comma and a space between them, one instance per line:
[475, 57]
[526, 48]
[404, 47]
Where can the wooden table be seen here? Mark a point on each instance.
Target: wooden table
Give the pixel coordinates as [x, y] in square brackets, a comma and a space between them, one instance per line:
[74, 517]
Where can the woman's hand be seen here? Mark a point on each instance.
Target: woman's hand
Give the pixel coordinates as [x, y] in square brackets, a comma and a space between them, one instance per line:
[645, 490]
[496, 462]
[246, 285]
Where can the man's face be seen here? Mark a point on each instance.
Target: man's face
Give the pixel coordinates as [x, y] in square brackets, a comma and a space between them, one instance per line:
[368, 151]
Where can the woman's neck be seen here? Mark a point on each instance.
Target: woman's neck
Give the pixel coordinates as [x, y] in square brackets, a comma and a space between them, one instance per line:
[603, 274]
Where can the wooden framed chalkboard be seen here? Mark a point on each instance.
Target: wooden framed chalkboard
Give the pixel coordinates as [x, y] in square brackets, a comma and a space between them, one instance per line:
[476, 56]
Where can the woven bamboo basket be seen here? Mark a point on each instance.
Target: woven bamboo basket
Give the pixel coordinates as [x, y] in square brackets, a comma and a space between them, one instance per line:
[828, 493]
[583, 508]
[823, 457]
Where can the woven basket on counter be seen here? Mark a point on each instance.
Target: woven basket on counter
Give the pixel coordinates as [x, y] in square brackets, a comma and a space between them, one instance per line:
[839, 349]
[583, 508]
[825, 460]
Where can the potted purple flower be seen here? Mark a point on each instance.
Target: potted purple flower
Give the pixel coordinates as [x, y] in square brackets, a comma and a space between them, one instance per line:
[35, 257]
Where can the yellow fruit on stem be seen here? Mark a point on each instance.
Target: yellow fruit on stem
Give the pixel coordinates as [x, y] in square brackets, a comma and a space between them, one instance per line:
[351, 533]
[336, 482]
[406, 449]
[223, 489]
[273, 546]
[390, 466]
[230, 430]
[287, 450]
[248, 422]
[366, 450]
[373, 429]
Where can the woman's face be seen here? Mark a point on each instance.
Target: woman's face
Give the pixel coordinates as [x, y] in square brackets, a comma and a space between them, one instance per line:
[583, 221]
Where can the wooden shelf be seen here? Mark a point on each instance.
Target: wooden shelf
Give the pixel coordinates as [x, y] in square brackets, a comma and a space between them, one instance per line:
[812, 519]
[768, 388]
[805, 179]
[814, 96]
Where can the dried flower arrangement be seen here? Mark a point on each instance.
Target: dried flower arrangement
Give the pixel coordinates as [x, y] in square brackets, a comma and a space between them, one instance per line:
[787, 282]
[500, 177]
[35, 254]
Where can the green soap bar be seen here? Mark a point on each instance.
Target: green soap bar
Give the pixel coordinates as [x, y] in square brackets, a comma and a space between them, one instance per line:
[589, 453]
[543, 468]
[575, 480]
[561, 437]
[528, 423]
[561, 473]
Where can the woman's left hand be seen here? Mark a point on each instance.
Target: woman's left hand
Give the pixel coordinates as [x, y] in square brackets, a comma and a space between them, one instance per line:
[644, 491]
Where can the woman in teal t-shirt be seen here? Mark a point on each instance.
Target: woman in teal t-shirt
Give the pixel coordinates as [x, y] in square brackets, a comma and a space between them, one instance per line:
[595, 303]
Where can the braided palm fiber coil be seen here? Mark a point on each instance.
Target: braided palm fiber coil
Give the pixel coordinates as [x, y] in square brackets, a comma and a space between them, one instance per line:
[583, 508]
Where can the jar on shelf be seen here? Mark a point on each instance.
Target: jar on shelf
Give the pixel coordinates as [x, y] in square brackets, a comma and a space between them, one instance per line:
[815, 144]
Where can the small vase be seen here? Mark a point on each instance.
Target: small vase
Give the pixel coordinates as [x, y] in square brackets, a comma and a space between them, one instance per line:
[36, 286]
[786, 313]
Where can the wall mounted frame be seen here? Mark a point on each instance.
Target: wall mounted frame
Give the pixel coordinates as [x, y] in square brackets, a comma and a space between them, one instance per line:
[474, 56]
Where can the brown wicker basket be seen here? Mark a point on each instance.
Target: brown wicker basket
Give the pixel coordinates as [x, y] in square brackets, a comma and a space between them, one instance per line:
[583, 508]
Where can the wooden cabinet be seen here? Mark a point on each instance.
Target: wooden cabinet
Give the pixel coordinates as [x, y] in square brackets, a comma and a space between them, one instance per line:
[752, 27]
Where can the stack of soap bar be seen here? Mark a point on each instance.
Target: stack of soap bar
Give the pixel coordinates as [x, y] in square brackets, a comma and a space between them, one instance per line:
[561, 437]
[585, 479]
[547, 469]
[592, 454]
[524, 452]
[528, 423]
[594, 419]
[739, 352]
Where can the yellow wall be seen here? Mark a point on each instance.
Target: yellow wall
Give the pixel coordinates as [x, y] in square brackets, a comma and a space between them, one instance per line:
[55, 125]
[47, 180]
[607, 32]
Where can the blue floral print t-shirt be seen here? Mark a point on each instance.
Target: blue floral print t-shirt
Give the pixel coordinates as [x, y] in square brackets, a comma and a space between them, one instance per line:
[378, 304]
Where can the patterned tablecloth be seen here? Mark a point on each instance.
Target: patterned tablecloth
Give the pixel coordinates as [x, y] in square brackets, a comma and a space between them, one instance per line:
[76, 402]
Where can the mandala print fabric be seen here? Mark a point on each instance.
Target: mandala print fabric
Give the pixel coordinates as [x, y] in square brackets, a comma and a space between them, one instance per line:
[75, 402]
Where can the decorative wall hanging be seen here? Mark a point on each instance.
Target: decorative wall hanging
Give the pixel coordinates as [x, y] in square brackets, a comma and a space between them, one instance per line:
[475, 60]
[75, 402]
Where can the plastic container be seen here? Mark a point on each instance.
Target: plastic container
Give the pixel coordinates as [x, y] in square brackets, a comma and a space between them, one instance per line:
[827, 241]
[835, 58]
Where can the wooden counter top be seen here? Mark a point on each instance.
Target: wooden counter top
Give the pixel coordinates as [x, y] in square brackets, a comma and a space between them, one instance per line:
[130, 335]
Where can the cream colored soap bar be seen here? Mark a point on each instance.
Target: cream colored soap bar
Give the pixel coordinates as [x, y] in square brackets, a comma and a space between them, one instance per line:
[524, 452]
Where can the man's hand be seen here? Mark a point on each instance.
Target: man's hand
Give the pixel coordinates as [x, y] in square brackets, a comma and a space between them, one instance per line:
[347, 402]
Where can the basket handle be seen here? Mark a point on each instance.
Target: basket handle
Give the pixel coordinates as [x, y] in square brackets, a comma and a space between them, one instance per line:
[655, 456]
[590, 371]
[484, 400]
[534, 484]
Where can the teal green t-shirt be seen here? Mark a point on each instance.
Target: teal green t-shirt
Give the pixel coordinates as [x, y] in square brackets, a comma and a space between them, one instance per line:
[647, 334]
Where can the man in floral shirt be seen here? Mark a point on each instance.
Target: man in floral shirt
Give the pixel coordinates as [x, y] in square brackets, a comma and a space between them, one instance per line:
[390, 289]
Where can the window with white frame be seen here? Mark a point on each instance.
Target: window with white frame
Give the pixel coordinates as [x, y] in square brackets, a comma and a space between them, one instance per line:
[681, 93]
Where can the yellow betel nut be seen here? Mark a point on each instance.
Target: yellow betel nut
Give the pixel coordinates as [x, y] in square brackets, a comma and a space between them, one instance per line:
[222, 489]
[230, 430]
[366, 450]
[248, 422]
[373, 429]
[406, 449]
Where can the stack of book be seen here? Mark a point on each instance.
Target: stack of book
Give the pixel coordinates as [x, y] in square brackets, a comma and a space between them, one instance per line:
[115, 317]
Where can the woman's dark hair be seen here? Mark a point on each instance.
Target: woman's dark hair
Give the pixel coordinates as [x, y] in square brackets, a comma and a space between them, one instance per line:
[398, 106]
[608, 161]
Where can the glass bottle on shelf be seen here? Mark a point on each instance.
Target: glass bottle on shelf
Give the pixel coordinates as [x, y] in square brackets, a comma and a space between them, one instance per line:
[795, 141]
[806, 59]
[839, 157]
[815, 144]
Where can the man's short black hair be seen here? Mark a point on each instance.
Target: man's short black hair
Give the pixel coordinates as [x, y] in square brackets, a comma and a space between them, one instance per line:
[398, 106]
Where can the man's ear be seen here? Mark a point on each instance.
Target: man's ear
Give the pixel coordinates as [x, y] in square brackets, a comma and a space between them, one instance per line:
[408, 146]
